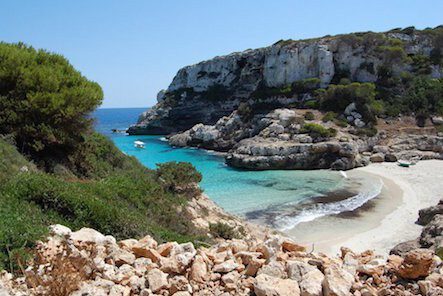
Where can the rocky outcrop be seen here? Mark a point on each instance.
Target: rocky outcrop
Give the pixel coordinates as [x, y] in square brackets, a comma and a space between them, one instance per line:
[209, 90]
[84, 263]
[431, 236]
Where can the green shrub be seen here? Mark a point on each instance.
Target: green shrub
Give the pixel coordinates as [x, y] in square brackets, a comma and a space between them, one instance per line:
[223, 230]
[329, 116]
[317, 130]
[264, 92]
[313, 104]
[309, 115]
[392, 54]
[245, 112]
[337, 97]
[178, 176]
[306, 85]
[368, 131]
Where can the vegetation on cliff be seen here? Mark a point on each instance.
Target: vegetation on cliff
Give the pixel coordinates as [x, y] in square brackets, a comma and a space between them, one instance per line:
[55, 169]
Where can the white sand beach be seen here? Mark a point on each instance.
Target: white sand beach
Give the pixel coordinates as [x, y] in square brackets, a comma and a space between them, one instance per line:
[386, 220]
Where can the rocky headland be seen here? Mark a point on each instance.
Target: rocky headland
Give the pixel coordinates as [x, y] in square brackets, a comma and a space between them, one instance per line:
[329, 102]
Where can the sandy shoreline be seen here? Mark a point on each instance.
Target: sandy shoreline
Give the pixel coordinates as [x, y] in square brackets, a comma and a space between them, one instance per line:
[384, 221]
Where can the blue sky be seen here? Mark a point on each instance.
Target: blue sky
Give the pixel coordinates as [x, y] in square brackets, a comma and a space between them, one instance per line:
[134, 48]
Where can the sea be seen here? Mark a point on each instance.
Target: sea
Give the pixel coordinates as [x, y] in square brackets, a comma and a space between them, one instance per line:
[277, 198]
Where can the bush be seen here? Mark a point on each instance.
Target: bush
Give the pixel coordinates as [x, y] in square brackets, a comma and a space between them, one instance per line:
[177, 176]
[245, 111]
[368, 131]
[264, 92]
[337, 97]
[306, 85]
[329, 116]
[45, 102]
[317, 131]
[309, 115]
[223, 230]
[313, 104]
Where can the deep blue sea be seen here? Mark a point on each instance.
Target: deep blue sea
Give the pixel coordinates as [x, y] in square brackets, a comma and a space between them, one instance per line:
[279, 198]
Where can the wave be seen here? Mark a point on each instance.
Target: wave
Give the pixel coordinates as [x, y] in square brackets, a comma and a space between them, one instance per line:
[313, 212]
[163, 139]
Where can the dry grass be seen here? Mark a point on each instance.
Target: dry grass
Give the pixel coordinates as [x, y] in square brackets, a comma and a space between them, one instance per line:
[57, 275]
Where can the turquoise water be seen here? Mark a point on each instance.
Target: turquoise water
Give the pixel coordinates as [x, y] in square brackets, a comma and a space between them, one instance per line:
[275, 197]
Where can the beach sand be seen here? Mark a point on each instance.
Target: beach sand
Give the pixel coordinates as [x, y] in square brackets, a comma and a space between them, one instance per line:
[384, 221]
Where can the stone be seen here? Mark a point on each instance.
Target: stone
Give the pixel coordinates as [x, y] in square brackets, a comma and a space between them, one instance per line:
[225, 267]
[290, 246]
[60, 230]
[88, 235]
[253, 266]
[127, 244]
[231, 277]
[199, 270]
[402, 248]
[377, 157]
[166, 248]
[309, 278]
[179, 283]
[157, 280]
[350, 108]
[375, 267]
[427, 214]
[119, 290]
[389, 157]
[122, 256]
[148, 253]
[416, 264]
[273, 268]
[337, 282]
[266, 285]
[437, 120]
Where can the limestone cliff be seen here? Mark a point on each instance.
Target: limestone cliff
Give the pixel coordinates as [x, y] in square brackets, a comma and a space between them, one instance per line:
[204, 92]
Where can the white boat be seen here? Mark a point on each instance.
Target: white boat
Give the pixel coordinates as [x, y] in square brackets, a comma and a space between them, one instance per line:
[139, 144]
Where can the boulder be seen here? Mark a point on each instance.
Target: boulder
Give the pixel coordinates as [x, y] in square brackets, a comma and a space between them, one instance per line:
[337, 282]
[225, 267]
[253, 266]
[122, 256]
[199, 270]
[437, 120]
[60, 230]
[290, 246]
[266, 285]
[402, 248]
[389, 157]
[88, 235]
[416, 264]
[273, 268]
[377, 157]
[432, 234]
[157, 280]
[309, 278]
[425, 215]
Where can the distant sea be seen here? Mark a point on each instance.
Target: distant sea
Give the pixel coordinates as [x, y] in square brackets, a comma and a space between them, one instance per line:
[279, 199]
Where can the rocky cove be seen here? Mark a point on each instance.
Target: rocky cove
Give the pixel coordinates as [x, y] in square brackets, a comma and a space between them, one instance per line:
[267, 108]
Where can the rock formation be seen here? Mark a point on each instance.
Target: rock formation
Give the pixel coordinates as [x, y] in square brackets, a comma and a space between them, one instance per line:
[204, 92]
[249, 103]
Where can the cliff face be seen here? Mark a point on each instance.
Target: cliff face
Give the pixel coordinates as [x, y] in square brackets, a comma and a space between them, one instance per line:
[204, 92]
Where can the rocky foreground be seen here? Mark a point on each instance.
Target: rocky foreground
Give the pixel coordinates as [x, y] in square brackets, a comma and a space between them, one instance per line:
[86, 262]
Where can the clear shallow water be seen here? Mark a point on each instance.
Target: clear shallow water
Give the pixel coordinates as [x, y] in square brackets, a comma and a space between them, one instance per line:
[279, 198]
